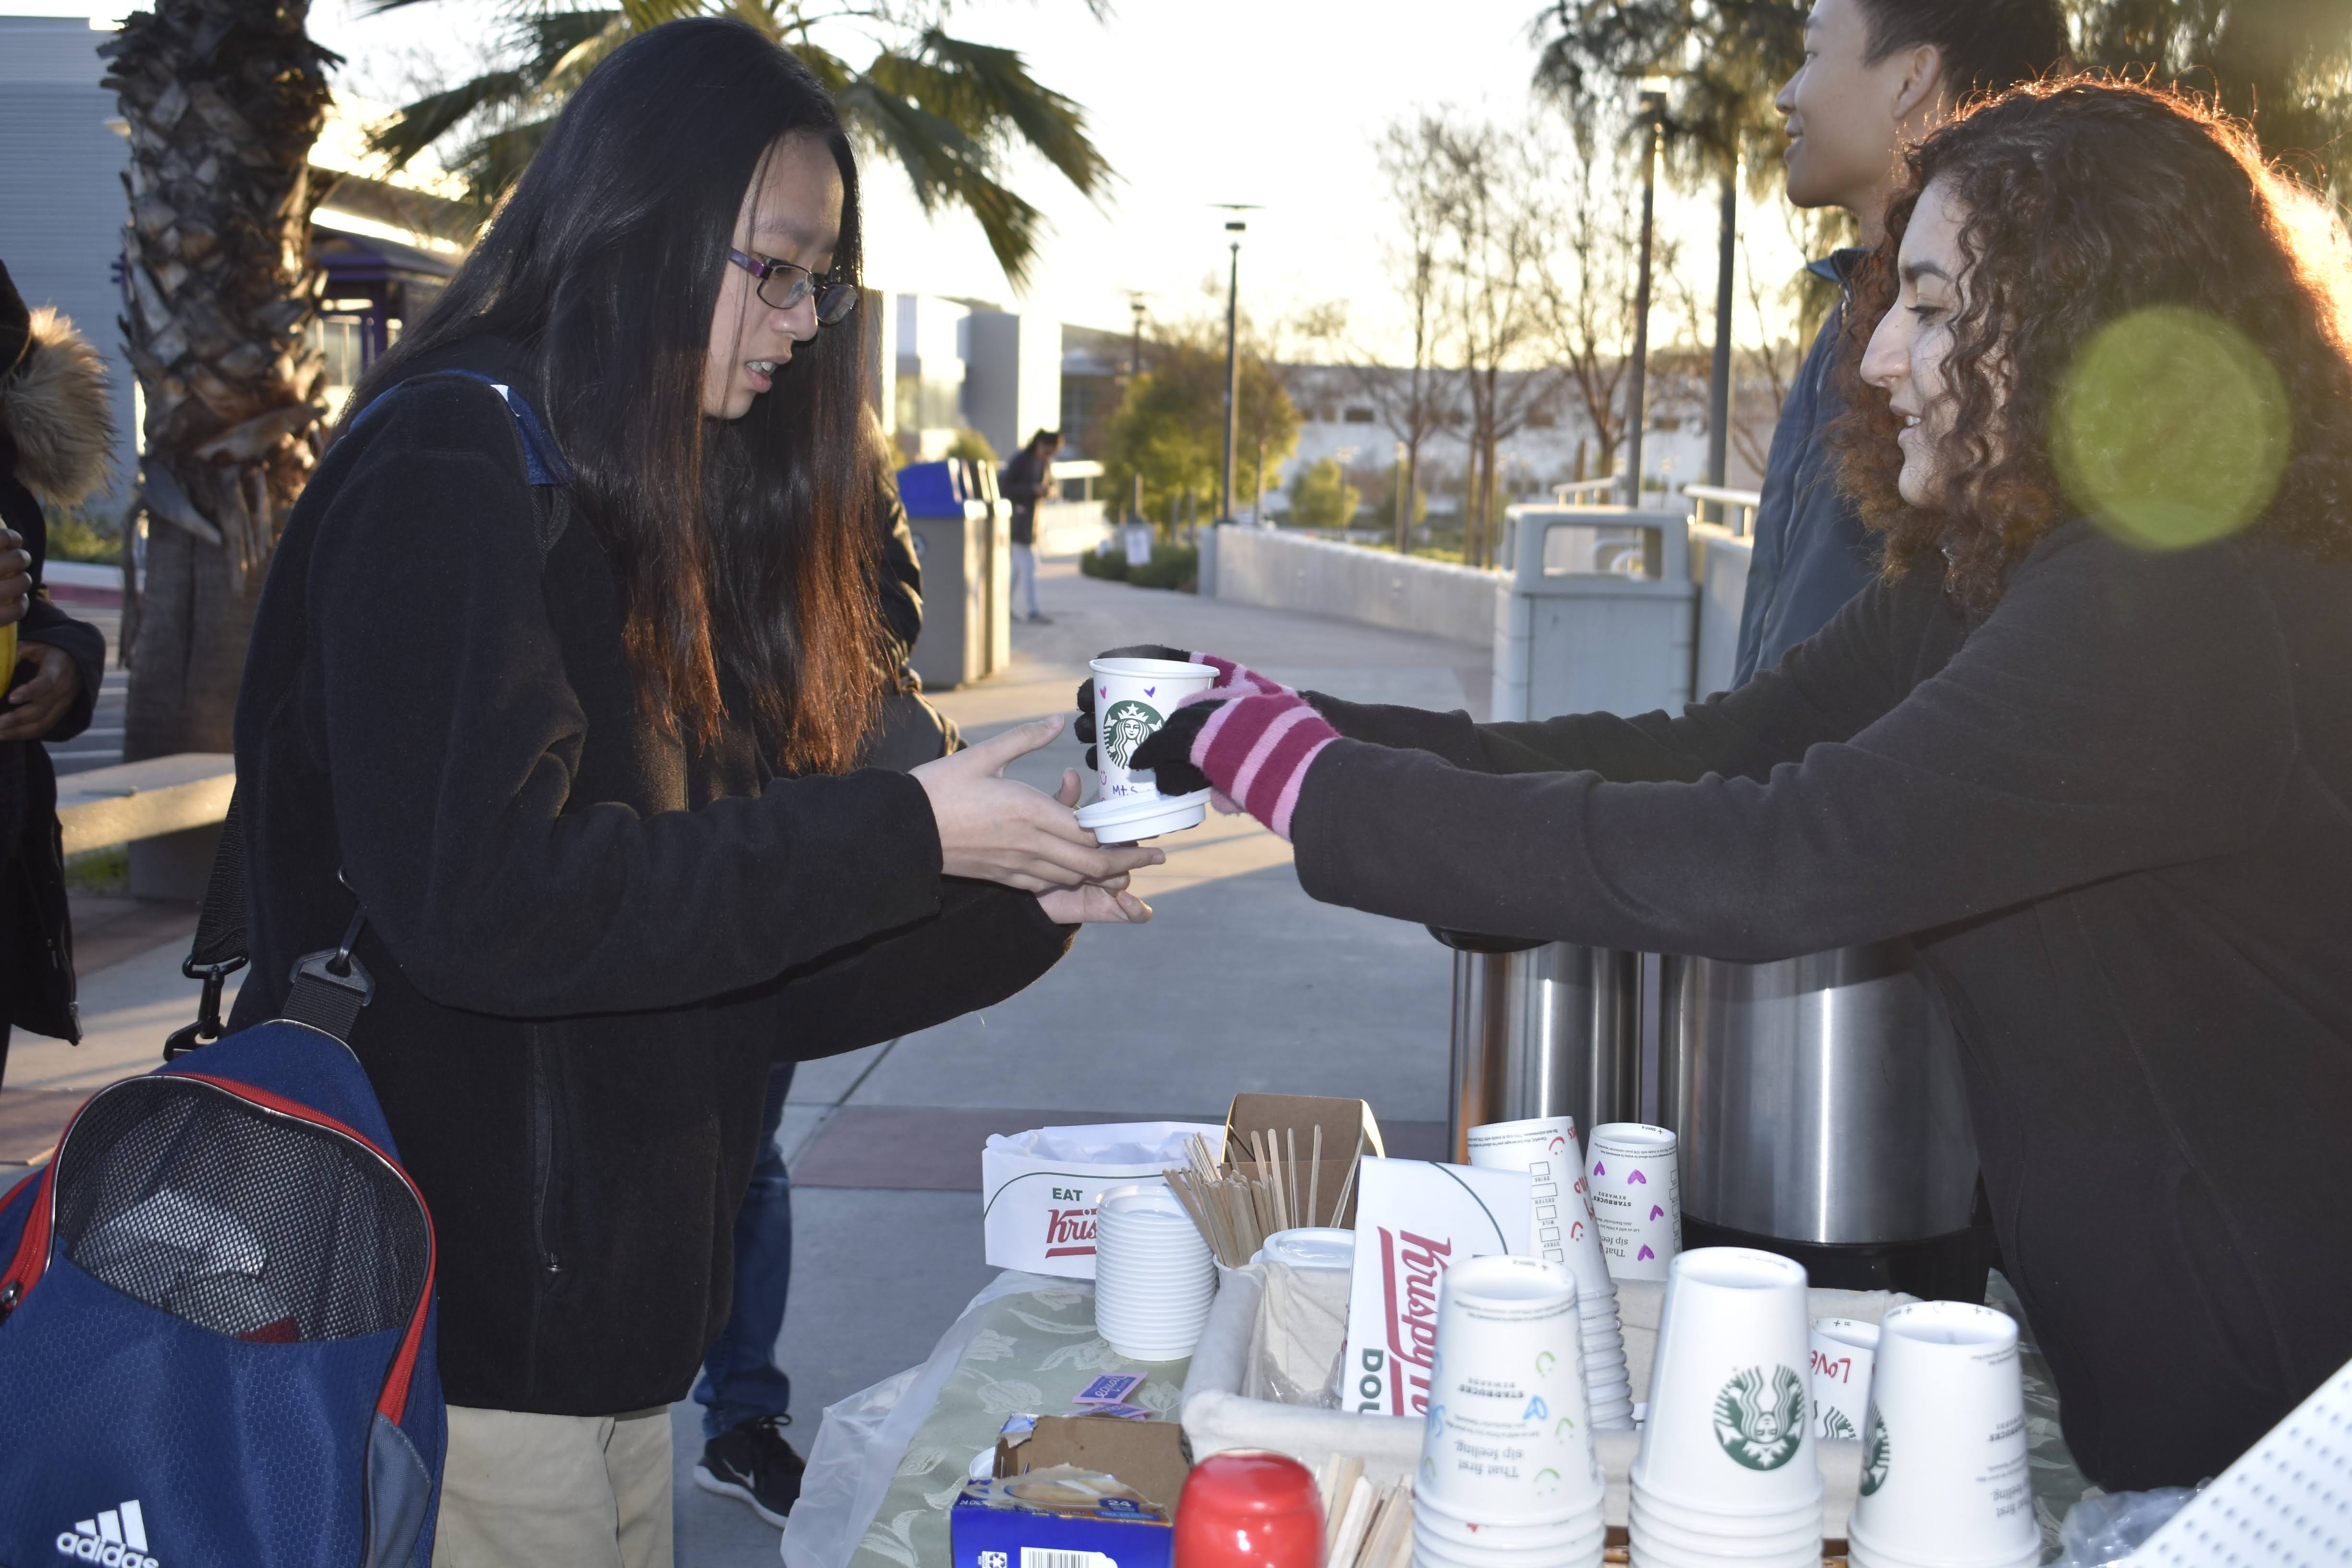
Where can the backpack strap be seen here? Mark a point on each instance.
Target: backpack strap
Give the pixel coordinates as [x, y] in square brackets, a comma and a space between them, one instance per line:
[332, 985]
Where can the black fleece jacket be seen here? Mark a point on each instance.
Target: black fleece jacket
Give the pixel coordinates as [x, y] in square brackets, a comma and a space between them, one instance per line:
[2117, 815]
[589, 940]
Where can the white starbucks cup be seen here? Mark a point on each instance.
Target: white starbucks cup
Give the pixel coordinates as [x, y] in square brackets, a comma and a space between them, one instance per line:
[1508, 1437]
[1843, 1351]
[1945, 1478]
[1636, 1188]
[1729, 1432]
[1133, 697]
[1546, 1149]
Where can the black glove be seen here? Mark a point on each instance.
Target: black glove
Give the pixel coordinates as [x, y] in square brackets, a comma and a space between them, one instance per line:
[1167, 752]
[1084, 727]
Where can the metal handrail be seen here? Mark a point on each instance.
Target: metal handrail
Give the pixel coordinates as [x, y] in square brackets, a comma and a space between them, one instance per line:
[1589, 490]
[1703, 496]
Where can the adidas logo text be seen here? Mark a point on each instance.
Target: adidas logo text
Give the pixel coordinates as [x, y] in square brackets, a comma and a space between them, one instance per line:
[116, 1537]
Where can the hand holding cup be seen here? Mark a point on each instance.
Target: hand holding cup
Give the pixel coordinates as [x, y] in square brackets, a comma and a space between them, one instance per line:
[996, 829]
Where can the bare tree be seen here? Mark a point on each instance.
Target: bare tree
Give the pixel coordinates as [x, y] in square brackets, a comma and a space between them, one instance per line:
[1499, 227]
[1590, 293]
[1412, 401]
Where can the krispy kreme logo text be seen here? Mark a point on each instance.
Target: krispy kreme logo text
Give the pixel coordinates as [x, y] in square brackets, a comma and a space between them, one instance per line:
[1069, 1232]
[1410, 1268]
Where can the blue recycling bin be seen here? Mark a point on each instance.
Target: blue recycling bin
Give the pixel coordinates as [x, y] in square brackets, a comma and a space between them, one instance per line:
[963, 537]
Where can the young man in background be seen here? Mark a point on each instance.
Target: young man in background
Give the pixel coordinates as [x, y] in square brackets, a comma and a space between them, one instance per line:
[1877, 73]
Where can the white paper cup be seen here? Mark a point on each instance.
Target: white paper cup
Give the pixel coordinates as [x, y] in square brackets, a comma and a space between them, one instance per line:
[1843, 1351]
[1508, 1435]
[1696, 1533]
[1583, 1549]
[1730, 1405]
[1945, 1478]
[1637, 1195]
[1648, 1552]
[1133, 697]
[1314, 1248]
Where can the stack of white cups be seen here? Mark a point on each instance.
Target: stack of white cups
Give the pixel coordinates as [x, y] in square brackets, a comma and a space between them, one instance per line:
[1545, 1147]
[1945, 1478]
[1727, 1476]
[1508, 1478]
[1154, 1279]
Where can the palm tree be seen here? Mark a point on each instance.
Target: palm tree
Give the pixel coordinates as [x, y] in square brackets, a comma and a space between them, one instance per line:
[224, 98]
[945, 109]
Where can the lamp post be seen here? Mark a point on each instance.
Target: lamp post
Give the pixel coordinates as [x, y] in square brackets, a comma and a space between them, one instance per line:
[1653, 110]
[1134, 372]
[1718, 400]
[1235, 227]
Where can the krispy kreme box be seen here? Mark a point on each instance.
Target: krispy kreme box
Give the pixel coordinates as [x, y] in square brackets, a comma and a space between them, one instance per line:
[1039, 1188]
[1414, 1220]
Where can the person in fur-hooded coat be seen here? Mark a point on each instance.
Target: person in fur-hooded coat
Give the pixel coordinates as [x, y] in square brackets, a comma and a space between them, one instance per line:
[55, 437]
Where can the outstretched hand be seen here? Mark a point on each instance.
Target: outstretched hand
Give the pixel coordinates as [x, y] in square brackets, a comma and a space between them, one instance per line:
[1096, 903]
[999, 830]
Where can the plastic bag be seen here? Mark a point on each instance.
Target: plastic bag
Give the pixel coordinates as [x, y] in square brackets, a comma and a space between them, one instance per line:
[862, 1438]
[2104, 1531]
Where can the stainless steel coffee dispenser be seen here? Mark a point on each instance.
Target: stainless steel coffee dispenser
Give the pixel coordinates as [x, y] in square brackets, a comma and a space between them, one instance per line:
[1821, 1114]
[1542, 1029]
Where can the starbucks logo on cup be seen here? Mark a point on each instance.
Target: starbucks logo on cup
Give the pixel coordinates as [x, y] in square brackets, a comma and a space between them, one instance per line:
[1126, 727]
[1836, 1428]
[1876, 1451]
[1761, 1422]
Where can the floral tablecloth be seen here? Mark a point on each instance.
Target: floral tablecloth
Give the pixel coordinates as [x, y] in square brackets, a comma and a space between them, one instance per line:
[1032, 1353]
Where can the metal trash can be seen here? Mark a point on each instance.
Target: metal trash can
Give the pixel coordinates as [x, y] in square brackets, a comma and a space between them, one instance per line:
[963, 539]
[1823, 1116]
[1599, 613]
[1541, 1029]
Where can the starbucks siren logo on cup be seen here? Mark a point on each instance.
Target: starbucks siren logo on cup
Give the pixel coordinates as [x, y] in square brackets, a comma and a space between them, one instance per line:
[1133, 697]
[1760, 1421]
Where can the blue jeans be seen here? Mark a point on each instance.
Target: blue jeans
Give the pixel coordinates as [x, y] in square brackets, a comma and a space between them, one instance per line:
[740, 1380]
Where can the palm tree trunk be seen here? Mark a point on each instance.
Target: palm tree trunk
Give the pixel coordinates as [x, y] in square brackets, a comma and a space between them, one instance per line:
[224, 98]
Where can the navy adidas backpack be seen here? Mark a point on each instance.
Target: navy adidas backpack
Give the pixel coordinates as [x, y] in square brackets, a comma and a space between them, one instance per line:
[216, 1309]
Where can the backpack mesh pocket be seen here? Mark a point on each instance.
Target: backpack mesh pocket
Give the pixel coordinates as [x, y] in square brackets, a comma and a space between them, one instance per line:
[236, 1219]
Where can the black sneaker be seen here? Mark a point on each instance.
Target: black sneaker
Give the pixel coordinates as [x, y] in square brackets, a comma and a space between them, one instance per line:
[754, 1463]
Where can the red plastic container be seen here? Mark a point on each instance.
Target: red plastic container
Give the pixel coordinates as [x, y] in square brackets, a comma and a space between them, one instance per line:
[1249, 1508]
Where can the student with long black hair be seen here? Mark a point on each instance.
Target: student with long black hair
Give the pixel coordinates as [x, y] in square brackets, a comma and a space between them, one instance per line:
[559, 676]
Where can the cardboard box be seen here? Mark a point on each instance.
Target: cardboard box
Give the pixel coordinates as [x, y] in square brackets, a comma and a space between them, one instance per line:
[1413, 1219]
[1038, 1189]
[992, 1525]
[1285, 1116]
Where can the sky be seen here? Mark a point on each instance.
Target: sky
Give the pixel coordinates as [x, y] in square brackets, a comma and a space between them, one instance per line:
[1274, 103]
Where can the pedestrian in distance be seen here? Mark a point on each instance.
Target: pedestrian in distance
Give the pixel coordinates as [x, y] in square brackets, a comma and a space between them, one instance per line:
[55, 437]
[1877, 75]
[559, 675]
[1025, 481]
[2086, 740]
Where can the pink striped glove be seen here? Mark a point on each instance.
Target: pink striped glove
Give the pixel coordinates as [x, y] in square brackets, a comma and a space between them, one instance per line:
[1232, 680]
[1254, 749]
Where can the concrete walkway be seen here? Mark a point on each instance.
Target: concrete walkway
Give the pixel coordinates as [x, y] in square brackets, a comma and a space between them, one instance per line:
[1239, 982]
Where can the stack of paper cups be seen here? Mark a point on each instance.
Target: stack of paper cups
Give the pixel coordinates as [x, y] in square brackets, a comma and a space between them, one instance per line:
[1944, 1480]
[1545, 1147]
[1153, 1277]
[1508, 1478]
[1843, 1349]
[1727, 1476]
[1637, 1195]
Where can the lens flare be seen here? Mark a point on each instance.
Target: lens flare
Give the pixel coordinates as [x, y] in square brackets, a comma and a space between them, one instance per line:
[2171, 429]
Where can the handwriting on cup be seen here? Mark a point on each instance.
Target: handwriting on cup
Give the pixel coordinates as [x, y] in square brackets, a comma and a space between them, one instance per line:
[1837, 1369]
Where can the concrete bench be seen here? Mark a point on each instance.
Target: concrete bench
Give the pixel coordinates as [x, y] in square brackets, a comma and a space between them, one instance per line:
[168, 809]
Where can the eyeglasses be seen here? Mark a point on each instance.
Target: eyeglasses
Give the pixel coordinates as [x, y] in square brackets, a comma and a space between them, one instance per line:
[784, 284]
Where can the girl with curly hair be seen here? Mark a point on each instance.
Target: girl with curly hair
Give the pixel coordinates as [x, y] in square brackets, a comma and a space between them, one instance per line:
[2087, 742]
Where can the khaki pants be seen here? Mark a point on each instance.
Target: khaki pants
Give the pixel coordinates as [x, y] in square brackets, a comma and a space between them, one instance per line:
[588, 1491]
